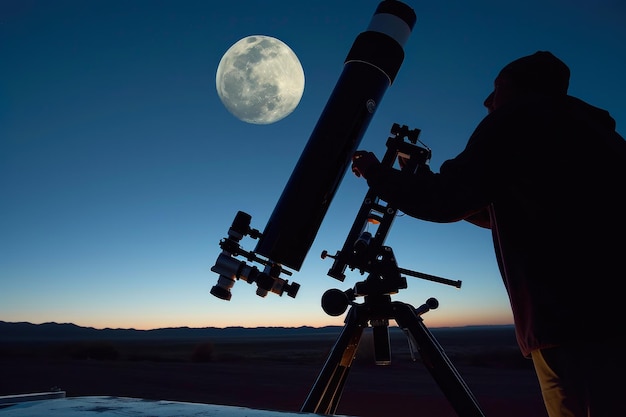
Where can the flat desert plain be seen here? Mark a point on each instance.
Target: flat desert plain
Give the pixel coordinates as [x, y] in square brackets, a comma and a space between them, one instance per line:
[277, 372]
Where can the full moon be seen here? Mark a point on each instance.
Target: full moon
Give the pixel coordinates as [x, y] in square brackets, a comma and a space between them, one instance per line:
[260, 80]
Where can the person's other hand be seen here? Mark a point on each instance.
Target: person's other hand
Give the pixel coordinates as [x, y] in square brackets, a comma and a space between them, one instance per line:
[362, 162]
[402, 161]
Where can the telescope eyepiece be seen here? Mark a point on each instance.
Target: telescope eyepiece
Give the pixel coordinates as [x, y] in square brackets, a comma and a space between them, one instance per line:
[222, 289]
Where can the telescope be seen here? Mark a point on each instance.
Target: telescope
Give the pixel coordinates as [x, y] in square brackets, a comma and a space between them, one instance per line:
[364, 250]
[370, 67]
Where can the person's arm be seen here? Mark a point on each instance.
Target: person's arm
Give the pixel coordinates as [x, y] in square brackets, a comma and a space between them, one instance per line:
[462, 189]
[434, 197]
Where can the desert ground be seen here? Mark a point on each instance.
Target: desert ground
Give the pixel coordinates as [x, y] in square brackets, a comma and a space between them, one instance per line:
[277, 373]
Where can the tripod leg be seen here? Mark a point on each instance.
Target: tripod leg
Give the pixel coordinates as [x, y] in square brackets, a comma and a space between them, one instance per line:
[326, 392]
[437, 363]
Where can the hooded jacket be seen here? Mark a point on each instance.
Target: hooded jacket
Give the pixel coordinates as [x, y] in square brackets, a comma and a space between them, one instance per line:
[547, 173]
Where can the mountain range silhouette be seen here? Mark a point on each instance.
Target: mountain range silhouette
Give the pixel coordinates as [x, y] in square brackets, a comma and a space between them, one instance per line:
[51, 331]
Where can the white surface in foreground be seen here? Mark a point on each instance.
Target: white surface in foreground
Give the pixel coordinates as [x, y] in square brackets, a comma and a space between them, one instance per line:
[103, 406]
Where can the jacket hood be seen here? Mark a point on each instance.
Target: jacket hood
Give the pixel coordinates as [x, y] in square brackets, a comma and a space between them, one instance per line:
[597, 114]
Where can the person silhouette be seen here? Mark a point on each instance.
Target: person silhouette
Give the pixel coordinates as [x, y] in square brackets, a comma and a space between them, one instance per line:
[545, 171]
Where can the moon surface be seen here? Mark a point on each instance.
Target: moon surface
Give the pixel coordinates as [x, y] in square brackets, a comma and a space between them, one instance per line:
[260, 80]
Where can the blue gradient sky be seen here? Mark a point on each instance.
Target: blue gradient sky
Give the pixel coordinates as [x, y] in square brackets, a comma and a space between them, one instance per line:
[120, 169]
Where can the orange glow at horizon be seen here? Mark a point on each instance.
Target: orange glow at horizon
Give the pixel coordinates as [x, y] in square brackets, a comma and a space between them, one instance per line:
[431, 321]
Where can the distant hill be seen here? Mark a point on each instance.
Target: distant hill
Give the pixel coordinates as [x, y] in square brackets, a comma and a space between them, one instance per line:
[25, 332]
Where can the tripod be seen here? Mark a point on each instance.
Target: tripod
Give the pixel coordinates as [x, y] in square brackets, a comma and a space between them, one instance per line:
[378, 309]
[366, 252]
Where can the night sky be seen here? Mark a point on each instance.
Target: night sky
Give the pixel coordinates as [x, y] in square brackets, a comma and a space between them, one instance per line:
[121, 170]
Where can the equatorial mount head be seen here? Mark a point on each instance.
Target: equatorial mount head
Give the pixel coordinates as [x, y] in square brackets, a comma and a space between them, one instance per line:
[364, 249]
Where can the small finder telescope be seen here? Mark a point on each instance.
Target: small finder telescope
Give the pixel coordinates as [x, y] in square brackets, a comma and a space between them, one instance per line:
[369, 69]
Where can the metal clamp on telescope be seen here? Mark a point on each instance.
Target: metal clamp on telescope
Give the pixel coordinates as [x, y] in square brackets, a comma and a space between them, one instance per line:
[231, 269]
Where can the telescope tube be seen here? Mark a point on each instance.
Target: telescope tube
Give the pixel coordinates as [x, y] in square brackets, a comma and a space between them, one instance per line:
[369, 69]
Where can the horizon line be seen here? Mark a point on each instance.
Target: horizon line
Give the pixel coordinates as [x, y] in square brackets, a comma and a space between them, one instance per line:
[237, 327]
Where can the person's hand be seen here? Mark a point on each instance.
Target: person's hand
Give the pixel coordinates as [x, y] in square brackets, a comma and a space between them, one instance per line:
[402, 161]
[362, 162]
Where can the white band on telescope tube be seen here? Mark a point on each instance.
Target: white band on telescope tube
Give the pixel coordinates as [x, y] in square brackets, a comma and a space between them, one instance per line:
[390, 25]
